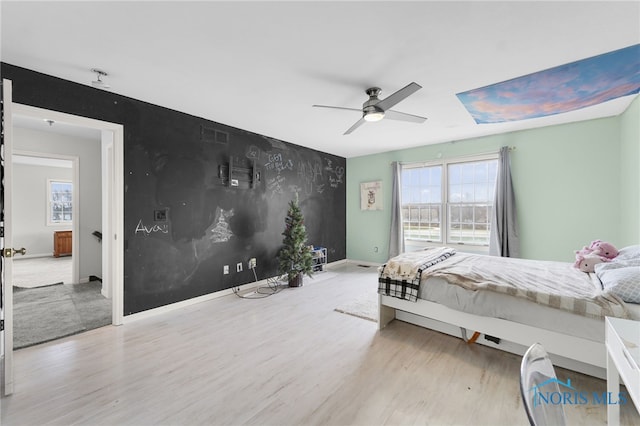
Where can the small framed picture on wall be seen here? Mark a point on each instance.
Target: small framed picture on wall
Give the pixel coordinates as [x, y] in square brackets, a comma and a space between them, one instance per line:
[371, 195]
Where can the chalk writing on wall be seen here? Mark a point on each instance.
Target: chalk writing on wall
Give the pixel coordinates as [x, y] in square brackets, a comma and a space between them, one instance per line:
[336, 173]
[145, 230]
[278, 163]
[274, 184]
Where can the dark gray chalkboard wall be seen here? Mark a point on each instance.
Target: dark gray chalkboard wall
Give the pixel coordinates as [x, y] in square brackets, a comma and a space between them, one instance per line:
[184, 218]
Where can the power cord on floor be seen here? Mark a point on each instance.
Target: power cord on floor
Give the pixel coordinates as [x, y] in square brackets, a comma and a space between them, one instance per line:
[273, 286]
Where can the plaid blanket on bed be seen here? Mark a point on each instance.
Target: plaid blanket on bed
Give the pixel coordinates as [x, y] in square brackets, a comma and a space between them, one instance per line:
[400, 276]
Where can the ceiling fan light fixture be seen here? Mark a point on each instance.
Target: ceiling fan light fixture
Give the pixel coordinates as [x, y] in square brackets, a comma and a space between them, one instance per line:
[372, 114]
[374, 109]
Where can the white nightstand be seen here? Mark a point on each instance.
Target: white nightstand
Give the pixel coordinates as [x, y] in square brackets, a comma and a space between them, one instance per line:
[623, 358]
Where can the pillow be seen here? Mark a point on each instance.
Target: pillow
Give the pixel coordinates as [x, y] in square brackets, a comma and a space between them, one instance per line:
[621, 279]
[628, 253]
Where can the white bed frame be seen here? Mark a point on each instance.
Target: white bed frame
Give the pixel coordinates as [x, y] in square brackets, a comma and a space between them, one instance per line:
[571, 352]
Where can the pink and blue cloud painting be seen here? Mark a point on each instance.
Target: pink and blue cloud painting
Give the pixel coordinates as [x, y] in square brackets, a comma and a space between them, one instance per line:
[556, 90]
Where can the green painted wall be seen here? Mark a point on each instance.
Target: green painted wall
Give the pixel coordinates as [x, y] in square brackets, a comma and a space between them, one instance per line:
[566, 177]
[630, 175]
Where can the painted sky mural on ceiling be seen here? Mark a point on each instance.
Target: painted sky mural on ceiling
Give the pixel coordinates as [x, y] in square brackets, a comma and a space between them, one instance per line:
[561, 89]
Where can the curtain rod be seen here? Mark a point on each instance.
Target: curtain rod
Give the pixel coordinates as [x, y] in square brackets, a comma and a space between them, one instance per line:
[511, 148]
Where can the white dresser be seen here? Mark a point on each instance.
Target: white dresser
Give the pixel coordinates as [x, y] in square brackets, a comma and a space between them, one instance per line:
[623, 359]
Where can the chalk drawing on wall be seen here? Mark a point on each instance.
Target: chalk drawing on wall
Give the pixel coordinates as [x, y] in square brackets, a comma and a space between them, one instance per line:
[221, 232]
[253, 152]
[294, 189]
[310, 173]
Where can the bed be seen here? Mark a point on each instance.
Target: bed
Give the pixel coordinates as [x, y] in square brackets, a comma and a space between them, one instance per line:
[510, 304]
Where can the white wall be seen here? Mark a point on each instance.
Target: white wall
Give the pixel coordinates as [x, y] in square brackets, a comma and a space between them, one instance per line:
[89, 253]
[30, 227]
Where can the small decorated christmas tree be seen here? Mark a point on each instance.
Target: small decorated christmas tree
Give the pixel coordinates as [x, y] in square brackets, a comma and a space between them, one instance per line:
[295, 255]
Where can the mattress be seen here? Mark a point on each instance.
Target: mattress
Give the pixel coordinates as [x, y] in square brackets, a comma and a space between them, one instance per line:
[503, 306]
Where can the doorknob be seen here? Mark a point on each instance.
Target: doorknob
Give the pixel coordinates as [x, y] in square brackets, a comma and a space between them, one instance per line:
[9, 252]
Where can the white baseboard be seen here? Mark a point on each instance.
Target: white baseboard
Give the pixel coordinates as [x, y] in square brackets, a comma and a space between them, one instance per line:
[204, 298]
[336, 263]
[363, 262]
[33, 256]
[179, 305]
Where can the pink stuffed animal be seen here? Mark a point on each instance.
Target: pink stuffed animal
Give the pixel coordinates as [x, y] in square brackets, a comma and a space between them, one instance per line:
[599, 248]
[588, 263]
[606, 250]
[597, 252]
[584, 251]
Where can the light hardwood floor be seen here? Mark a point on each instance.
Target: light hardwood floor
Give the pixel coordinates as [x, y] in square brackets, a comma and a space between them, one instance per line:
[289, 359]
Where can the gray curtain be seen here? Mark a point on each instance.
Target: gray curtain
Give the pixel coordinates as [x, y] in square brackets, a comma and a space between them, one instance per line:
[396, 237]
[504, 240]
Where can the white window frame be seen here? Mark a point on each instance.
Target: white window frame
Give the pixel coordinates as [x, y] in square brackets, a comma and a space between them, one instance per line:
[49, 203]
[413, 244]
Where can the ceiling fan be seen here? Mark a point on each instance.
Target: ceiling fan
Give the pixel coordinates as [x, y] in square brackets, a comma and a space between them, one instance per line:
[375, 109]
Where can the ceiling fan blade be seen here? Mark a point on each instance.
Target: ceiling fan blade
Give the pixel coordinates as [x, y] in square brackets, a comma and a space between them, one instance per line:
[355, 126]
[398, 96]
[402, 116]
[336, 107]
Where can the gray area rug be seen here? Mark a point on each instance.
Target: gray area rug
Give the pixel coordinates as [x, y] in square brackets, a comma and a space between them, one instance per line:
[365, 307]
[48, 313]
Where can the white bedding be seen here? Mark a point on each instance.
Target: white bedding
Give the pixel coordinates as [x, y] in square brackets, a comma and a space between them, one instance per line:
[634, 311]
[498, 305]
[552, 284]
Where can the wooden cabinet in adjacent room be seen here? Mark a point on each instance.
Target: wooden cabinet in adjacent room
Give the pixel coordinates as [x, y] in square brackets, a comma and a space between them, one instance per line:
[61, 243]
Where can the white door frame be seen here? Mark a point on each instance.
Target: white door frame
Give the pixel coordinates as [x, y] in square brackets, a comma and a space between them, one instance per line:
[113, 210]
[7, 271]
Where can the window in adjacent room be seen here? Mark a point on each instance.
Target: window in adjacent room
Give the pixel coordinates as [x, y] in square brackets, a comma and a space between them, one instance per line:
[59, 202]
[449, 202]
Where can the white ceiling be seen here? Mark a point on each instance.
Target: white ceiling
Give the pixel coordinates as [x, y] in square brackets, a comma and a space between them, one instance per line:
[51, 126]
[259, 66]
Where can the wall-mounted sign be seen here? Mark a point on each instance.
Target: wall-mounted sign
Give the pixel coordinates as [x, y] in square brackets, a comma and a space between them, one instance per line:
[371, 195]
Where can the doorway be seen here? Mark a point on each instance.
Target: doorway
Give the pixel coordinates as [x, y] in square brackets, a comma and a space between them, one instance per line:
[57, 291]
[106, 233]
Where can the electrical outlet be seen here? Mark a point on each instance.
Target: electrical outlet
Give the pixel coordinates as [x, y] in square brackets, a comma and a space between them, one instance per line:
[252, 263]
[239, 267]
[225, 269]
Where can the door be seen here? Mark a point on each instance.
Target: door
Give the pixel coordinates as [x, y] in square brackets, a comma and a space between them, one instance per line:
[7, 241]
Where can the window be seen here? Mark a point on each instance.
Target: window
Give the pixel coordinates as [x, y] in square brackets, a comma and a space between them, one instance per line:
[422, 203]
[449, 202]
[59, 202]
